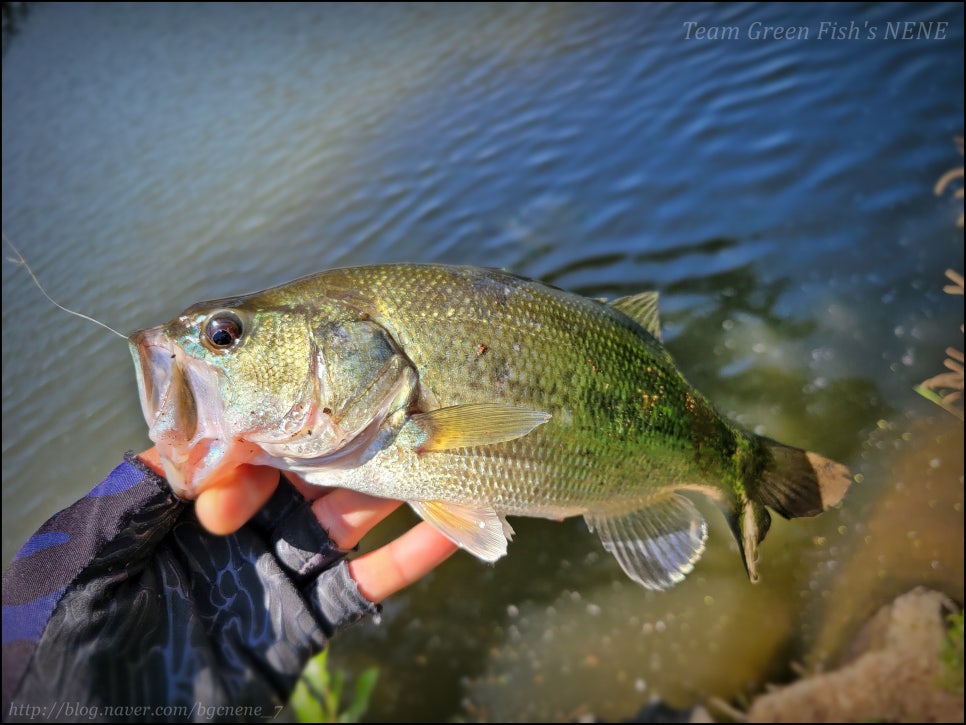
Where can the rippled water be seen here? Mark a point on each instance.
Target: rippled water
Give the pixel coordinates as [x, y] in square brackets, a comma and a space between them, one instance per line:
[777, 193]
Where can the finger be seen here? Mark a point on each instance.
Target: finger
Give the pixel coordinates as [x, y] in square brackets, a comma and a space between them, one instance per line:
[152, 459]
[347, 515]
[309, 491]
[224, 508]
[400, 562]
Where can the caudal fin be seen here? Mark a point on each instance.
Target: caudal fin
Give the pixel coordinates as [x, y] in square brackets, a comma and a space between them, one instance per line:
[799, 483]
[794, 483]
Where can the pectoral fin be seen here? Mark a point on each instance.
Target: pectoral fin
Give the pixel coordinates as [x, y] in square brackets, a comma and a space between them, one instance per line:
[478, 529]
[475, 424]
[657, 544]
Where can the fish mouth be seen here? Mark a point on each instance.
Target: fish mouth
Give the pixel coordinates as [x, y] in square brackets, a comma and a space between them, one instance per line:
[180, 420]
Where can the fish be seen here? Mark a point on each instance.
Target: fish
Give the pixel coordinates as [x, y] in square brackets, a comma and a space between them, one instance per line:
[474, 395]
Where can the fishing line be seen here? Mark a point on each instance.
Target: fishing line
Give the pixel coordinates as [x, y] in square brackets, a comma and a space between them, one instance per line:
[23, 263]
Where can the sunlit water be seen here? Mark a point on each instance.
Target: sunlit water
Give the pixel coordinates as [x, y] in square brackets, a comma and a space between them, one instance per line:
[777, 193]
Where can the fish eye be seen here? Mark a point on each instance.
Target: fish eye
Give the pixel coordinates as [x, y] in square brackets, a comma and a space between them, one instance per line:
[222, 330]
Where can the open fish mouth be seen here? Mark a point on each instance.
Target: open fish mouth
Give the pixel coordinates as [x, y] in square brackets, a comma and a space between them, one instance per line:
[159, 378]
[169, 401]
[187, 403]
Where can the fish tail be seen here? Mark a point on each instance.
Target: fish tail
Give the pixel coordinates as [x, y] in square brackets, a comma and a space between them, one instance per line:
[792, 482]
[800, 483]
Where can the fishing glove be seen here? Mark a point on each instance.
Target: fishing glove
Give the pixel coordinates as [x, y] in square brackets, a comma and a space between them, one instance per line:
[124, 607]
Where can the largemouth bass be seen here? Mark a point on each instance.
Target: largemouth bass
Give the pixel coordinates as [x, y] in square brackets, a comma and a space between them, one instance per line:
[473, 395]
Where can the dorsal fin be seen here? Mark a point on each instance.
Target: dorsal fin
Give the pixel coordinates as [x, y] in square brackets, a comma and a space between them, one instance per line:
[642, 308]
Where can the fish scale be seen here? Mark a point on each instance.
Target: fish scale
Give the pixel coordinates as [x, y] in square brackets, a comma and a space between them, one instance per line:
[474, 395]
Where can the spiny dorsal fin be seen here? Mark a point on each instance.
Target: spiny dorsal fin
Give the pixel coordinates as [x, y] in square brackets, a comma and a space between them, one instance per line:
[478, 529]
[642, 308]
[657, 544]
[475, 424]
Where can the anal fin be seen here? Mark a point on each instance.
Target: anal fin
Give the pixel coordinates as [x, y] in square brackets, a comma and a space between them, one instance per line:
[478, 529]
[657, 544]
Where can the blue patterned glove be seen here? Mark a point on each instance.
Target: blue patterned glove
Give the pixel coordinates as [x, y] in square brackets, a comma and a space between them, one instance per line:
[122, 607]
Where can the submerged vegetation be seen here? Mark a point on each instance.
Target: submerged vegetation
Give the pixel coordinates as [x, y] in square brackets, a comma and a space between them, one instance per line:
[946, 389]
[949, 177]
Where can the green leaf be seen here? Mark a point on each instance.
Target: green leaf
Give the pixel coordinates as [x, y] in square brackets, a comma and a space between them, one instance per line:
[365, 683]
[318, 694]
[952, 655]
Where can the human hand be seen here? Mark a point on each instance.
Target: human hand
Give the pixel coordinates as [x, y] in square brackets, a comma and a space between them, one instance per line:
[236, 495]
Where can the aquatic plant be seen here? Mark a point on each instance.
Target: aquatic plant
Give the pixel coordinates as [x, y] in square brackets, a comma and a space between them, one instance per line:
[952, 655]
[946, 389]
[318, 695]
[946, 179]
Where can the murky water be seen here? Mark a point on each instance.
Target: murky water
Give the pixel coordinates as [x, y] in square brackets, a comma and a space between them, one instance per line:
[777, 192]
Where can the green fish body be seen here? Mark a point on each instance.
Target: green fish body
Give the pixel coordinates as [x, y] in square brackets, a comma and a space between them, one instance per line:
[473, 395]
